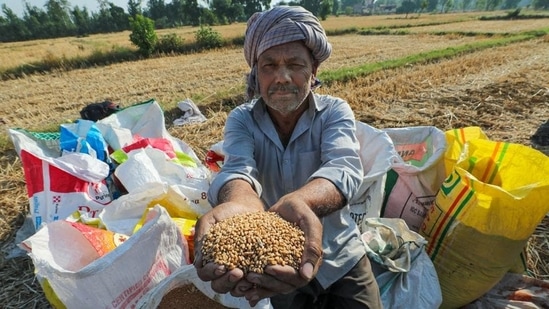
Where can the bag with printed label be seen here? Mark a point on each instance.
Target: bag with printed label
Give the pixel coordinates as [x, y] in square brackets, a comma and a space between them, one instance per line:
[483, 216]
[105, 269]
[60, 183]
[415, 177]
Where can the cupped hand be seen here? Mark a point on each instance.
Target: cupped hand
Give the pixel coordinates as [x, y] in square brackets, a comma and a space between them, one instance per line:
[294, 209]
[222, 279]
[275, 280]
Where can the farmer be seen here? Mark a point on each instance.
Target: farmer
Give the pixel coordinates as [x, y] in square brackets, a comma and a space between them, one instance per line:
[293, 152]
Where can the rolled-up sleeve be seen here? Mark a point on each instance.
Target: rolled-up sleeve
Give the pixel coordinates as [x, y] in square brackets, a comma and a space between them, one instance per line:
[340, 149]
[238, 147]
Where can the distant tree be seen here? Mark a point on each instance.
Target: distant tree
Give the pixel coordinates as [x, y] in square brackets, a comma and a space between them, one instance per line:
[176, 13]
[432, 5]
[207, 17]
[192, 12]
[221, 8]
[156, 9]
[540, 4]
[465, 4]
[325, 9]
[480, 5]
[36, 20]
[252, 6]
[12, 28]
[447, 6]
[335, 7]
[422, 6]
[134, 7]
[348, 10]
[119, 18]
[406, 7]
[60, 23]
[103, 4]
[510, 4]
[82, 20]
[492, 4]
[110, 18]
[227, 11]
[312, 5]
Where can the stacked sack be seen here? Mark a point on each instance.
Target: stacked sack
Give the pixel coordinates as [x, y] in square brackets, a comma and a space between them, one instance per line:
[113, 203]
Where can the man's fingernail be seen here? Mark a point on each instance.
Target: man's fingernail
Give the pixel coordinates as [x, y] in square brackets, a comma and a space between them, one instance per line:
[220, 270]
[308, 271]
[233, 278]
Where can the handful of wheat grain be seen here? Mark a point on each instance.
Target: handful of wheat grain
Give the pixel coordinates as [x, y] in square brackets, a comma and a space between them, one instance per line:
[253, 241]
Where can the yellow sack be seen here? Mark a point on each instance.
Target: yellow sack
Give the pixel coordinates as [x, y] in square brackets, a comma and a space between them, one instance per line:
[185, 224]
[455, 140]
[483, 216]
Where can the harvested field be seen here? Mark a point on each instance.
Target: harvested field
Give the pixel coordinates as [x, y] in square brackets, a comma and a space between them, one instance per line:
[481, 26]
[15, 54]
[172, 79]
[504, 90]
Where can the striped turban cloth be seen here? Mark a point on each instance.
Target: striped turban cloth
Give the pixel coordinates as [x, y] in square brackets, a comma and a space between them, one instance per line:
[280, 25]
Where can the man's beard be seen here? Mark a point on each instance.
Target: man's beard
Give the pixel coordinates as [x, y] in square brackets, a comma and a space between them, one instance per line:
[286, 105]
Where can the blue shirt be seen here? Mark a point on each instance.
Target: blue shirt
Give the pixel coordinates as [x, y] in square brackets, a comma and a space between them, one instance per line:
[323, 145]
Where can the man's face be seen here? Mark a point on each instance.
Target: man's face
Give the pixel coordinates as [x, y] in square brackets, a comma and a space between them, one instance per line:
[285, 73]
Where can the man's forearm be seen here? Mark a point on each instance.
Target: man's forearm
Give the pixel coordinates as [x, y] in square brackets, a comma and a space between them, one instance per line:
[322, 196]
[240, 191]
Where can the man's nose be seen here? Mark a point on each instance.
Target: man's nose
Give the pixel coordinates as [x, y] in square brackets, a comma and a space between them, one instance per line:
[283, 74]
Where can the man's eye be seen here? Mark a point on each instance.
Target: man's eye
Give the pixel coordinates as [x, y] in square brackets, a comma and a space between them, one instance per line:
[296, 65]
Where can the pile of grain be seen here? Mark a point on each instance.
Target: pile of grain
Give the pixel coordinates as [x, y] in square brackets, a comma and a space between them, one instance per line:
[189, 297]
[253, 241]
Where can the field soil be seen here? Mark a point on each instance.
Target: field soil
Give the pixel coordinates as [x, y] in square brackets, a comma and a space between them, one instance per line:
[503, 90]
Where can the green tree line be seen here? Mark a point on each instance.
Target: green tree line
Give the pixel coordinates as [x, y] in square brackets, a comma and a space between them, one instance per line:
[59, 19]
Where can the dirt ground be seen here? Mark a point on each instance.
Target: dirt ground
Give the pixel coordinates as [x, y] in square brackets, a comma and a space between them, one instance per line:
[503, 90]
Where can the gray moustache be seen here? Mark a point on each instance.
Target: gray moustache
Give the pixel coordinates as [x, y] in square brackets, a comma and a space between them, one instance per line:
[283, 89]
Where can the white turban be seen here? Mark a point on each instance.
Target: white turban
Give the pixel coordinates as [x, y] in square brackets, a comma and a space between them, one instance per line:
[280, 25]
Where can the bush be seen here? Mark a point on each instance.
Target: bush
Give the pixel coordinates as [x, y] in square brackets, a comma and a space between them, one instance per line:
[207, 38]
[170, 43]
[143, 34]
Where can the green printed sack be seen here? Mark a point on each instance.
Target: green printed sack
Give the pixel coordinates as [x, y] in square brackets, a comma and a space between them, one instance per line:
[483, 216]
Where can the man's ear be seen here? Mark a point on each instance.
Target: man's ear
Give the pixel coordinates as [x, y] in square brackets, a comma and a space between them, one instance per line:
[315, 67]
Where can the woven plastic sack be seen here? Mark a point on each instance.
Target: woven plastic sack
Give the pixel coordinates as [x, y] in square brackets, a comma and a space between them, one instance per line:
[79, 276]
[455, 140]
[416, 175]
[483, 216]
[58, 185]
[377, 155]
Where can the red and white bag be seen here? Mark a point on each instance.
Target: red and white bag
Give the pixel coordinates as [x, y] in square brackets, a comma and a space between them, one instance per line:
[58, 185]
